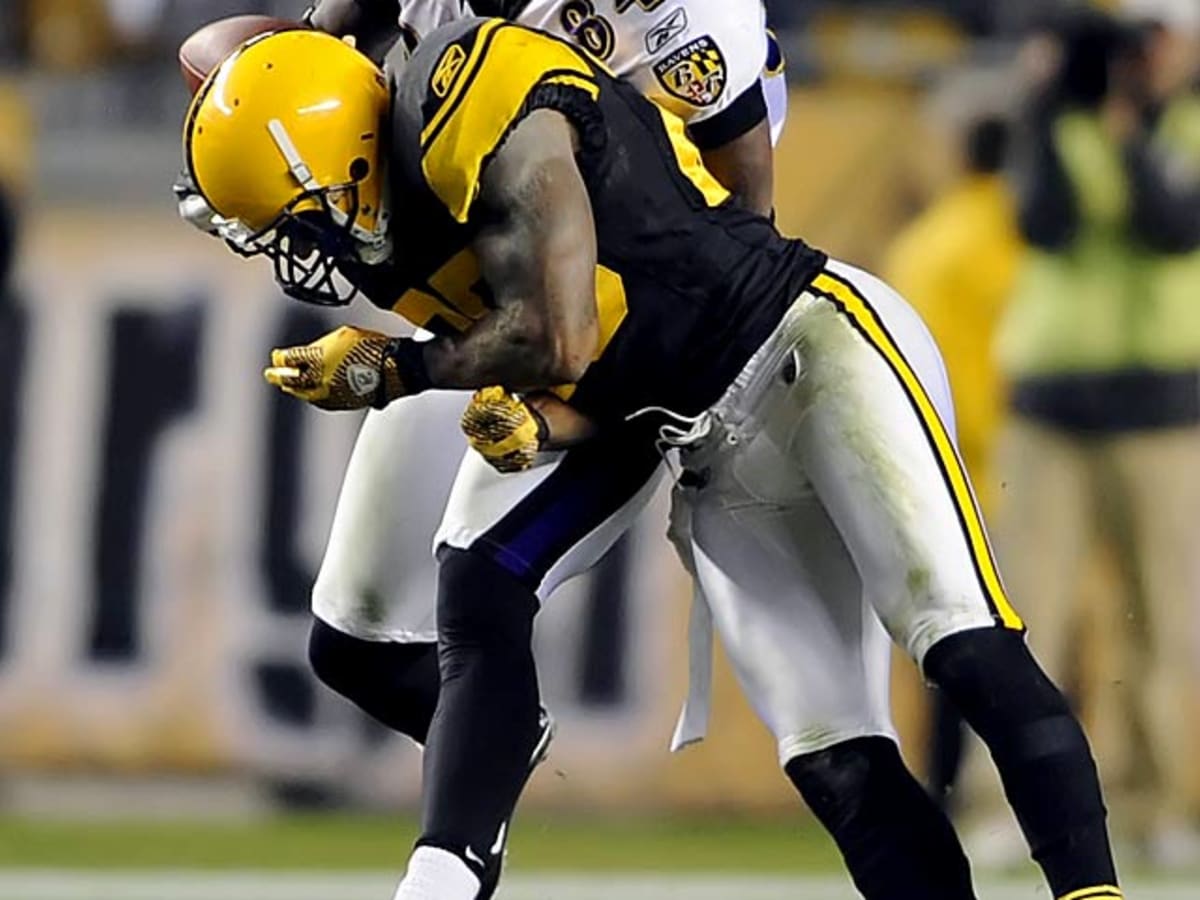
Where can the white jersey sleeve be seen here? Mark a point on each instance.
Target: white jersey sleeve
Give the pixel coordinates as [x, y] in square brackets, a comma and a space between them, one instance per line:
[698, 58]
[775, 92]
[420, 17]
[695, 57]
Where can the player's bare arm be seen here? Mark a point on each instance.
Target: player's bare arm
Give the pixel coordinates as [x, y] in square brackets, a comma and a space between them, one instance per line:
[745, 166]
[537, 254]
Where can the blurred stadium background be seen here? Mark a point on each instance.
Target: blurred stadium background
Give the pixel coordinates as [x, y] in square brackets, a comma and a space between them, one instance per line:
[162, 512]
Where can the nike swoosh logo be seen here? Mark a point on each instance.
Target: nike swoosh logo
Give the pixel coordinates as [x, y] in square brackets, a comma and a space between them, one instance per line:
[473, 856]
[499, 845]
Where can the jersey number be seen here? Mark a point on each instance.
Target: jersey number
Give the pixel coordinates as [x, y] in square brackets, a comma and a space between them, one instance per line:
[592, 32]
[647, 5]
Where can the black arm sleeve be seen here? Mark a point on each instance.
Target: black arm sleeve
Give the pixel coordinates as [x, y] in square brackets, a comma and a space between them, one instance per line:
[1165, 217]
[1047, 213]
[732, 122]
[375, 24]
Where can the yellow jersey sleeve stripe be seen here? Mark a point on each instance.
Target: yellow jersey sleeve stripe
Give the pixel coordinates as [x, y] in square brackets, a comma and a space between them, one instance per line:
[1099, 892]
[855, 307]
[464, 78]
[584, 84]
[687, 158]
[486, 103]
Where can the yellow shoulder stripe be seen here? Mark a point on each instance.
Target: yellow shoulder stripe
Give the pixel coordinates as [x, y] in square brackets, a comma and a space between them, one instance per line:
[584, 84]
[687, 157]
[505, 65]
[852, 304]
[462, 79]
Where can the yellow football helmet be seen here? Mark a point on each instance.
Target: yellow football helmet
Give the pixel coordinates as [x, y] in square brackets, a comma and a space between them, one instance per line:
[283, 143]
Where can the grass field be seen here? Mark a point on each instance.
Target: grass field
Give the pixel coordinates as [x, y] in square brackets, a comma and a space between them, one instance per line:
[333, 843]
[359, 858]
[167, 885]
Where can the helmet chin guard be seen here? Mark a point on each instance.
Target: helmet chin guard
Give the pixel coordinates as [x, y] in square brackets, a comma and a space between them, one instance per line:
[307, 242]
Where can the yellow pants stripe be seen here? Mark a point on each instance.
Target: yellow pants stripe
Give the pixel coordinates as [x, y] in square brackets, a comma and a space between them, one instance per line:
[855, 307]
[1097, 892]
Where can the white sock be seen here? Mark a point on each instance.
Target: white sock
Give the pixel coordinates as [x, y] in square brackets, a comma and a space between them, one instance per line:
[435, 874]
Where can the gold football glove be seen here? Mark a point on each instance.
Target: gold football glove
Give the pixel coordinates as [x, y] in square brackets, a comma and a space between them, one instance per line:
[350, 368]
[503, 429]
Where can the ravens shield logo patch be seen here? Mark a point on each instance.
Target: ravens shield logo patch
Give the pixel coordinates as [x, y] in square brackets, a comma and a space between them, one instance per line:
[695, 73]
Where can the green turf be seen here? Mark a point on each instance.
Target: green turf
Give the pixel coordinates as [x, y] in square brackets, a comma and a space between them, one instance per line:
[340, 842]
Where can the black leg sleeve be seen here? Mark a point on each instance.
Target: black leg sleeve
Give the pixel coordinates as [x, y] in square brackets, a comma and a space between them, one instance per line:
[896, 843]
[394, 683]
[1040, 750]
[946, 740]
[486, 725]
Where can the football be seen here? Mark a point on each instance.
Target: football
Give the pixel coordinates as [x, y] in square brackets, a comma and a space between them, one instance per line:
[207, 47]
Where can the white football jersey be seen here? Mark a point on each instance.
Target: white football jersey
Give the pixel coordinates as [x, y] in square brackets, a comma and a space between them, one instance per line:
[423, 16]
[695, 57]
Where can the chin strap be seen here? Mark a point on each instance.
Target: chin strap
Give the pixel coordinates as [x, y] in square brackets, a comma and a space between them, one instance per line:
[295, 162]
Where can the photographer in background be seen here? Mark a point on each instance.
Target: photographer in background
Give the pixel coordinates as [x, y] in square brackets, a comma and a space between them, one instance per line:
[1101, 344]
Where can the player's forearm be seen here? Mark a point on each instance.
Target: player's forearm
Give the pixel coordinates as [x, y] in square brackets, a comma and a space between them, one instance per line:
[537, 252]
[565, 426]
[745, 166]
[514, 347]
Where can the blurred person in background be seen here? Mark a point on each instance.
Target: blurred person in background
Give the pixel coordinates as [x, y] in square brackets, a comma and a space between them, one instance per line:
[14, 330]
[8, 240]
[957, 263]
[1102, 347]
[15, 173]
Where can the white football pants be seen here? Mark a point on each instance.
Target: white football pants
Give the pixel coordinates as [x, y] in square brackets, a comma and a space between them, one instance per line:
[826, 510]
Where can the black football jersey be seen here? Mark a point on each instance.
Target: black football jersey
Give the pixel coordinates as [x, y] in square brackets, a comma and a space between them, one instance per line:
[688, 285]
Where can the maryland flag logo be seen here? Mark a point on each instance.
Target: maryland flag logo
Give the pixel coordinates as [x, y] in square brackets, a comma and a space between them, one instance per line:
[694, 73]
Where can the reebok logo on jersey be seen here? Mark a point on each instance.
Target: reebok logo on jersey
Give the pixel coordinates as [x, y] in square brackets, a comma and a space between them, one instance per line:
[695, 73]
[447, 70]
[666, 31]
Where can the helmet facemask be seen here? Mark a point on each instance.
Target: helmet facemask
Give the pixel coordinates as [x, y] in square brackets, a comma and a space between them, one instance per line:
[305, 244]
[314, 232]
